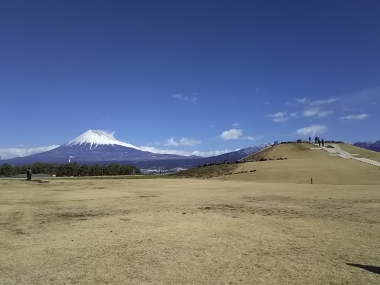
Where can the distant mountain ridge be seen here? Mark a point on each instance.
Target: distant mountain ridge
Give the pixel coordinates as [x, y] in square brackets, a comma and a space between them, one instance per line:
[101, 147]
[93, 146]
[369, 145]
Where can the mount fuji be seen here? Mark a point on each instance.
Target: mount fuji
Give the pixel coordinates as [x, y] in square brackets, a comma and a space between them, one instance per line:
[100, 147]
[94, 146]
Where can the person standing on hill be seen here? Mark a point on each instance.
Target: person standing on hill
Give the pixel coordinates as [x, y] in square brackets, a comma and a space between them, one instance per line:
[309, 139]
[319, 142]
[323, 142]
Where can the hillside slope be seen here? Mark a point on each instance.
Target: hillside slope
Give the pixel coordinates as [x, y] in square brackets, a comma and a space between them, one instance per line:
[362, 152]
[304, 163]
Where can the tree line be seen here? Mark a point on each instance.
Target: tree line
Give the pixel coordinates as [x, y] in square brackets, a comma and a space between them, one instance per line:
[71, 169]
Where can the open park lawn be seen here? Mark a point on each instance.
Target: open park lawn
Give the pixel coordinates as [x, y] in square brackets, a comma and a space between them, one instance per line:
[187, 231]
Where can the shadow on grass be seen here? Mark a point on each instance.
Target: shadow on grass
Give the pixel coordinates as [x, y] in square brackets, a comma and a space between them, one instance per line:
[370, 268]
[38, 181]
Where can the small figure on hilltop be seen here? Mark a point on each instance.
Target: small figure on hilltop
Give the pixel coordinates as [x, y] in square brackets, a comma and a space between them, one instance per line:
[319, 142]
[316, 140]
[309, 139]
[323, 142]
[29, 174]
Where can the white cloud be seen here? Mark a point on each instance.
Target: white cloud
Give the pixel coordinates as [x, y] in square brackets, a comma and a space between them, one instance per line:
[316, 111]
[321, 102]
[232, 134]
[183, 142]
[277, 115]
[251, 138]
[184, 153]
[280, 120]
[185, 98]
[236, 124]
[179, 97]
[294, 115]
[312, 130]
[301, 100]
[355, 117]
[323, 114]
[7, 153]
[297, 102]
[311, 112]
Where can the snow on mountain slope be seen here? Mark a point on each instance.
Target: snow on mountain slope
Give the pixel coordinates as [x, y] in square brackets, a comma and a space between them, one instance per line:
[94, 138]
[369, 145]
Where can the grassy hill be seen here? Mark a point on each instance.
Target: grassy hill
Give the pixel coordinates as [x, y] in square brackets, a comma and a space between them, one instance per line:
[207, 171]
[299, 164]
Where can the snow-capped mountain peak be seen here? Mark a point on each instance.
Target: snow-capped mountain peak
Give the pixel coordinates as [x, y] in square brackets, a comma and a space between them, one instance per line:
[94, 138]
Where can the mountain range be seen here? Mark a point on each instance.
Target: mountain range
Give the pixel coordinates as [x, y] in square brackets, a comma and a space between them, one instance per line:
[100, 147]
[375, 146]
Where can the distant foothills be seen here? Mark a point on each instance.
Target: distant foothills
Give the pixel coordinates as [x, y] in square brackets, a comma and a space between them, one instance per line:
[369, 145]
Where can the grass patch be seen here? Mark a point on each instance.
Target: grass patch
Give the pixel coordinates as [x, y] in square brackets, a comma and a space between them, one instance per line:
[207, 171]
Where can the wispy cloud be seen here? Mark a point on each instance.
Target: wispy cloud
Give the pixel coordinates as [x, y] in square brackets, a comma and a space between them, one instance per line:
[355, 117]
[280, 120]
[181, 142]
[235, 124]
[297, 101]
[317, 112]
[301, 100]
[312, 130]
[360, 98]
[294, 115]
[185, 153]
[257, 89]
[252, 138]
[279, 117]
[322, 102]
[7, 153]
[185, 98]
[232, 134]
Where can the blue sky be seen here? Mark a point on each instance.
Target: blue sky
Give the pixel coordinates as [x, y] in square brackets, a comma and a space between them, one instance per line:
[188, 75]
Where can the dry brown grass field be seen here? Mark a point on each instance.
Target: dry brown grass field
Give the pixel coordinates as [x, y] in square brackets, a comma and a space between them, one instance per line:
[187, 231]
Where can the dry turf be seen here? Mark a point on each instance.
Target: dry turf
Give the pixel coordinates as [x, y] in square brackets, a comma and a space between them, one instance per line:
[187, 231]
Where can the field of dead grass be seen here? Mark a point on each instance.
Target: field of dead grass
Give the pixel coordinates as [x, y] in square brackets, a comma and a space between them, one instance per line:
[185, 231]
